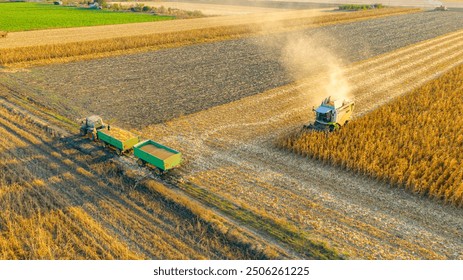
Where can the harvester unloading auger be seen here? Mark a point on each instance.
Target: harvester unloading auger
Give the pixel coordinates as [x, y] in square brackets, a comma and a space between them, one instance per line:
[331, 115]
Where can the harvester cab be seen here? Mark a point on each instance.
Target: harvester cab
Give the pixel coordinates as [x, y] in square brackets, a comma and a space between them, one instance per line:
[90, 125]
[331, 115]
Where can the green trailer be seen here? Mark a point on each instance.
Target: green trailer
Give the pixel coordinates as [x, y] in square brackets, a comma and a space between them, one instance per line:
[119, 139]
[160, 156]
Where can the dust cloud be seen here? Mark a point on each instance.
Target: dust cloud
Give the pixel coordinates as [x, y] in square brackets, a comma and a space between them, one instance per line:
[305, 55]
[435, 3]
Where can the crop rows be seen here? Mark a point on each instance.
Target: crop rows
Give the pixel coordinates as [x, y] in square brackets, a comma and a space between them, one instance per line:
[414, 142]
[84, 49]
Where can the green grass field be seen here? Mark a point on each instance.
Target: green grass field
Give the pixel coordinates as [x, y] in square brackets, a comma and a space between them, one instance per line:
[33, 16]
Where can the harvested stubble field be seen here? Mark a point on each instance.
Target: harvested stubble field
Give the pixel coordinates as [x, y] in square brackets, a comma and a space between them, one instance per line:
[231, 153]
[65, 199]
[24, 49]
[232, 162]
[158, 86]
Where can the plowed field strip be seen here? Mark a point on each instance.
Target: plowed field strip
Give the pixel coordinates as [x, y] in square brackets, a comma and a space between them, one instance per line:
[68, 35]
[41, 53]
[230, 151]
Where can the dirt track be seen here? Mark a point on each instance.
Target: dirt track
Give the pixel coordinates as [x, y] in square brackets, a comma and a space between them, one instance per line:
[158, 86]
[231, 152]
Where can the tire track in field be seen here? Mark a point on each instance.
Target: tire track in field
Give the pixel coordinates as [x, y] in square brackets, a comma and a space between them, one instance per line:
[232, 154]
[153, 235]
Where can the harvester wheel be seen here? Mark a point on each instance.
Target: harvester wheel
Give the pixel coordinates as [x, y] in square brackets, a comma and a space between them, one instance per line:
[332, 128]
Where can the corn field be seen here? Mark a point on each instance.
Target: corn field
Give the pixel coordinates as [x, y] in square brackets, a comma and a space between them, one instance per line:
[414, 142]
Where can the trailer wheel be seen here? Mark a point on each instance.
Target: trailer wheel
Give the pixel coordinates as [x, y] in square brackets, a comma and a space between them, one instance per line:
[118, 152]
[104, 145]
[141, 162]
[158, 171]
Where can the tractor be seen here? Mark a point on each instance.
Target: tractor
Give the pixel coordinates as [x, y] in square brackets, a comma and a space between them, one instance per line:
[90, 125]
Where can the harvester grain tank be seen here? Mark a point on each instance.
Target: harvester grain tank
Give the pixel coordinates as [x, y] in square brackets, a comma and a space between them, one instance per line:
[331, 115]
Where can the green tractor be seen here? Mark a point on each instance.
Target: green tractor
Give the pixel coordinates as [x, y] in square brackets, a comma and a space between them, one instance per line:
[90, 125]
[331, 115]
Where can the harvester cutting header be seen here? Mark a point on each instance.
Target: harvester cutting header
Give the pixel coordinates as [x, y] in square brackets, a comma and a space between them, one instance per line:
[331, 115]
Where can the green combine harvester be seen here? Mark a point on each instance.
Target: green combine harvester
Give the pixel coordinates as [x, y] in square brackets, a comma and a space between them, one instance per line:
[331, 115]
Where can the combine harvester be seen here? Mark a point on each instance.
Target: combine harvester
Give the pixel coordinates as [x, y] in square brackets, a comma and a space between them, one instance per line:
[162, 158]
[441, 8]
[331, 115]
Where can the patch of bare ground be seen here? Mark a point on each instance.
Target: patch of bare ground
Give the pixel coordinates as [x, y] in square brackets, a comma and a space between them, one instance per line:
[230, 151]
[66, 199]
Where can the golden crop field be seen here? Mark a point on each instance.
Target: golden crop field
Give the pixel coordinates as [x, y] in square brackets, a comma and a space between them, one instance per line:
[415, 142]
[126, 40]
[249, 185]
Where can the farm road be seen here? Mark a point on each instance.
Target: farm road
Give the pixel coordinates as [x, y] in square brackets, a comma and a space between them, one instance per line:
[142, 89]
